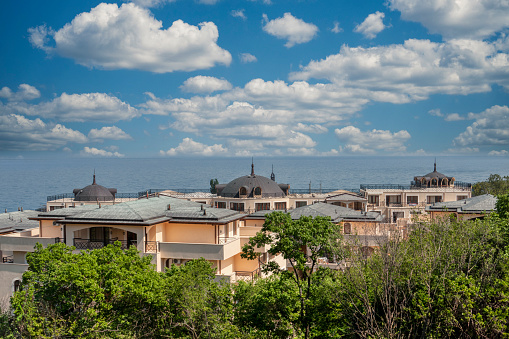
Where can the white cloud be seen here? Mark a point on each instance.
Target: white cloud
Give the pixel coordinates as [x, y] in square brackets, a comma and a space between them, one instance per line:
[247, 58]
[25, 92]
[130, 37]
[294, 30]
[456, 18]
[315, 128]
[463, 150]
[499, 153]
[491, 127]
[205, 84]
[372, 25]
[208, 2]
[109, 132]
[77, 107]
[436, 112]
[336, 29]
[454, 117]
[414, 70]
[92, 151]
[238, 13]
[19, 133]
[371, 142]
[150, 3]
[190, 147]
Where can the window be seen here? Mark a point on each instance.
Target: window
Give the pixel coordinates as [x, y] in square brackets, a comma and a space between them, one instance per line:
[373, 199]
[412, 200]
[434, 198]
[462, 197]
[257, 191]
[237, 206]
[242, 191]
[220, 204]
[393, 199]
[280, 206]
[347, 227]
[300, 204]
[262, 206]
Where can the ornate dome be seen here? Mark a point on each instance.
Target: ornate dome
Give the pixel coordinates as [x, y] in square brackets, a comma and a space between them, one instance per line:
[94, 192]
[250, 186]
[434, 179]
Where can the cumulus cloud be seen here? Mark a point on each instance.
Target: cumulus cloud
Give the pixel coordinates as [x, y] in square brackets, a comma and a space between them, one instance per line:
[190, 147]
[92, 151]
[129, 37]
[17, 133]
[290, 28]
[150, 3]
[456, 18]
[315, 128]
[463, 150]
[491, 127]
[499, 153]
[238, 13]
[77, 107]
[370, 142]
[247, 58]
[205, 84]
[109, 132]
[25, 92]
[372, 25]
[336, 29]
[454, 117]
[436, 112]
[413, 70]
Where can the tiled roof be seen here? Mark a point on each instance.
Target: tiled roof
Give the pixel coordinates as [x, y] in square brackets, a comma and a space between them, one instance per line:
[336, 213]
[17, 221]
[346, 197]
[478, 204]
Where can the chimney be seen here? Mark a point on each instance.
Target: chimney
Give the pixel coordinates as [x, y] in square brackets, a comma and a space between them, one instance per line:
[169, 207]
[204, 211]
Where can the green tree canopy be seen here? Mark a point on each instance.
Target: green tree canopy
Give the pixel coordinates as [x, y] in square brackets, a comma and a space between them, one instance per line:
[495, 185]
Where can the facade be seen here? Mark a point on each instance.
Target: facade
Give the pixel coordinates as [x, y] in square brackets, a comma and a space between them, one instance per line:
[401, 204]
[171, 230]
[466, 209]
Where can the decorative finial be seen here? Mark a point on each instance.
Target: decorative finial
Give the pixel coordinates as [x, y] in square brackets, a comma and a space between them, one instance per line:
[272, 175]
[435, 168]
[94, 178]
[252, 166]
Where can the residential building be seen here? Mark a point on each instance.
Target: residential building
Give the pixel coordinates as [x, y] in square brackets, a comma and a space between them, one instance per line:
[466, 209]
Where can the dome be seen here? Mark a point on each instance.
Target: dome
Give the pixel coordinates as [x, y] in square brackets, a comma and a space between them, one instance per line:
[251, 186]
[94, 192]
[434, 179]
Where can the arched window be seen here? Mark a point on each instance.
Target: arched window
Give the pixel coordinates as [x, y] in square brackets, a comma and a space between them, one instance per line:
[258, 191]
[16, 285]
[434, 182]
[444, 182]
[242, 191]
[347, 228]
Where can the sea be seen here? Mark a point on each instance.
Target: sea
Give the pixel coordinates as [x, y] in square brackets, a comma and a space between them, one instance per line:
[28, 182]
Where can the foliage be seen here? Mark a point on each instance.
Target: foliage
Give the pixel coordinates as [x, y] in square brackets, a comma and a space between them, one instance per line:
[301, 242]
[213, 183]
[495, 185]
[502, 206]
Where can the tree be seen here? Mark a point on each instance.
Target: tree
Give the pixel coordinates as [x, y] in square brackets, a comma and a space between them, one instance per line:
[302, 242]
[213, 183]
[495, 185]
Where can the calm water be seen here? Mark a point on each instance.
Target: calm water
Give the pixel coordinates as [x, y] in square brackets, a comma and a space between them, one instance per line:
[27, 183]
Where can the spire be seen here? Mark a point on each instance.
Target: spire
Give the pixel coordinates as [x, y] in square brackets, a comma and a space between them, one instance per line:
[272, 175]
[435, 168]
[94, 178]
[252, 167]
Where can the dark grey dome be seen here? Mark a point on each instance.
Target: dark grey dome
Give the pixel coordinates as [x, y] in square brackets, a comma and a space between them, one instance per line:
[434, 179]
[251, 186]
[94, 192]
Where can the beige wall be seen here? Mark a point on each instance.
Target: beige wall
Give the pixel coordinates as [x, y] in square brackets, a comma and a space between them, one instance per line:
[9, 273]
[244, 264]
[189, 233]
[47, 229]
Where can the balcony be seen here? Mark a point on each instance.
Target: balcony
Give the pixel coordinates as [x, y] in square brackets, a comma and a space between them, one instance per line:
[227, 248]
[88, 244]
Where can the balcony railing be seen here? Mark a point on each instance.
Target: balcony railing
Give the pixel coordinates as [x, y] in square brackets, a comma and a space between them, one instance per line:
[224, 240]
[8, 259]
[151, 246]
[88, 244]
[247, 275]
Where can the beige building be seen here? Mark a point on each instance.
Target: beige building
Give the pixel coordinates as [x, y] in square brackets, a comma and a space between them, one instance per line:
[171, 230]
[466, 209]
[400, 204]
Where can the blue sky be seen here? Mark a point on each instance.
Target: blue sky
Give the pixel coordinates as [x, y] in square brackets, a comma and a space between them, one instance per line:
[170, 78]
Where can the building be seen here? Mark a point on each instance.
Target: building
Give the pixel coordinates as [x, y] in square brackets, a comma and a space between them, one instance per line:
[93, 194]
[171, 230]
[466, 209]
[398, 203]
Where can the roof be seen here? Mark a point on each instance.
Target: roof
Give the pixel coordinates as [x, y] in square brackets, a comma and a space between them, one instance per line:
[479, 204]
[143, 211]
[94, 192]
[336, 213]
[269, 188]
[346, 197]
[17, 221]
